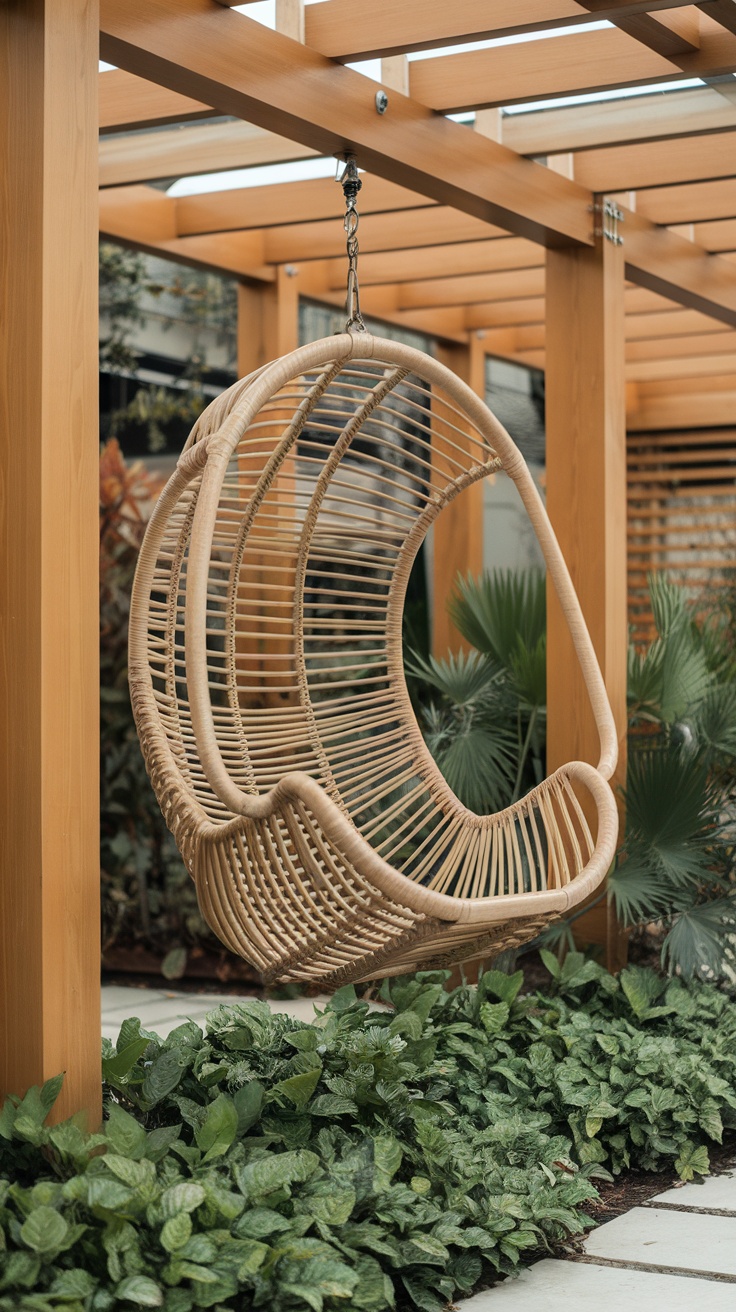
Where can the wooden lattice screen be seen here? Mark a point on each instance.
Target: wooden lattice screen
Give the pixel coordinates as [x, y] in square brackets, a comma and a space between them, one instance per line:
[681, 514]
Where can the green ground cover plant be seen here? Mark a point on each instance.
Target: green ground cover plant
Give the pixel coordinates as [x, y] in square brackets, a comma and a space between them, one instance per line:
[371, 1159]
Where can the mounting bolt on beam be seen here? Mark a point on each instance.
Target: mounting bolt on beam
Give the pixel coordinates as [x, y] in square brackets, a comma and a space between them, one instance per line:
[381, 102]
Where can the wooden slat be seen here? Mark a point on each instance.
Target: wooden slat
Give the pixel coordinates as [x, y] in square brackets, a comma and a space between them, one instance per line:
[49, 554]
[660, 163]
[666, 348]
[718, 236]
[268, 79]
[476, 257]
[127, 101]
[698, 366]
[704, 408]
[688, 204]
[268, 206]
[517, 283]
[588, 61]
[384, 27]
[617, 122]
[205, 149]
[402, 230]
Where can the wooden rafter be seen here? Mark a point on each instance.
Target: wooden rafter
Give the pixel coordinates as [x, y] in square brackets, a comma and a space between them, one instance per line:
[565, 65]
[127, 102]
[345, 32]
[657, 117]
[199, 149]
[655, 164]
[670, 34]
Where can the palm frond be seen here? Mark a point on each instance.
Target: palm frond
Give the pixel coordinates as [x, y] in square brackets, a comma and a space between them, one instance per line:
[637, 890]
[697, 942]
[529, 669]
[714, 723]
[668, 798]
[500, 609]
[479, 767]
[462, 678]
[686, 679]
[669, 604]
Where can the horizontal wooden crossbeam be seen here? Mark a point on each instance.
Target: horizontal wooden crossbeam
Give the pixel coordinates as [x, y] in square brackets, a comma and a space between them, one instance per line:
[348, 32]
[566, 65]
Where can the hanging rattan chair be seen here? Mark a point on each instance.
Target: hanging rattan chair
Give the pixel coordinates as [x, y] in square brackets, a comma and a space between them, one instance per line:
[268, 686]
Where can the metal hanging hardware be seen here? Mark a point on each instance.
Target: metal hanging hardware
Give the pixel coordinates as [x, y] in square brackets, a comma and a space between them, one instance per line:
[608, 216]
[351, 185]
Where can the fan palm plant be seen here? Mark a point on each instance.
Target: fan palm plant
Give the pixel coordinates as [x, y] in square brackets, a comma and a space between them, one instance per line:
[677, 863]
[484, 713]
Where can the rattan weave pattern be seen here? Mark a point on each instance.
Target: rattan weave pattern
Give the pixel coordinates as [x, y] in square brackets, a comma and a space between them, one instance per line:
[267, 678]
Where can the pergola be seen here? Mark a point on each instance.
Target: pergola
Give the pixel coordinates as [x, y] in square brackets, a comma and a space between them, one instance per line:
[596, 242]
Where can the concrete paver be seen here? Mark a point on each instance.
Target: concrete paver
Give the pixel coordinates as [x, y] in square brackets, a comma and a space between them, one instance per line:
[689, 1241]
[553, 1286]
[716, 1191]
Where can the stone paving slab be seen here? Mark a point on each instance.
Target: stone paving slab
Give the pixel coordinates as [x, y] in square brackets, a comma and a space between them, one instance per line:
[717, 1192]
[553, 1286]
[688, 1241]
[162, 1010]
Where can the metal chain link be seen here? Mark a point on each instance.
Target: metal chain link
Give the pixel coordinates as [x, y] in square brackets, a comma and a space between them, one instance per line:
[351, 185]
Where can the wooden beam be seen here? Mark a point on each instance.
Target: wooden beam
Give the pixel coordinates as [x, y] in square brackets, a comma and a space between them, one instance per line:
[49, 554]
[268, 206]
[476, 257]
[259, 75]
[586, 500]
[385, 28]
[679, 348]
[701, 407]
[692, 367]
[691, 203]
[618, 122]
[400, 230]
[677, 33]
[205, 149]
[128, 102]
[660, 163]
[520, 284]
[563, 65]
[723, 11]
[661, 261]
[718, 236]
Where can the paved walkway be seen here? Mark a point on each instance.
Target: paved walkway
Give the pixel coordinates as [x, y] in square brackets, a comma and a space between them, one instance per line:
[677, 1253]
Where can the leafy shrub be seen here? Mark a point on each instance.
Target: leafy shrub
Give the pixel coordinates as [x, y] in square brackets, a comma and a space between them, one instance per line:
[366, 1160]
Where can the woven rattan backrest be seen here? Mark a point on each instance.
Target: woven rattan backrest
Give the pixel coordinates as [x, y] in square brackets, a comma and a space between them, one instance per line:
[282, 551]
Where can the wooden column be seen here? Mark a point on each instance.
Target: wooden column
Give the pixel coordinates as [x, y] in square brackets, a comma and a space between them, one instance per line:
[586, 499]
[458, 532]
[49, 552]
[268, 319]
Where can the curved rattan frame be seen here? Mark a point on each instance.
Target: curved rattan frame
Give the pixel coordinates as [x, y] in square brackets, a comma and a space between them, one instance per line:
[285, 876]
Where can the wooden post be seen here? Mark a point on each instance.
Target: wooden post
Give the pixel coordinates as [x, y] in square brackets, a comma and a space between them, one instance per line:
[586, 499]
[458, 531]
[49, 552]
[268, 319]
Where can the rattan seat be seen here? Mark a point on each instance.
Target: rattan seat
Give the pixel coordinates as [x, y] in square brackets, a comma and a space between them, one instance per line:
[268, 687]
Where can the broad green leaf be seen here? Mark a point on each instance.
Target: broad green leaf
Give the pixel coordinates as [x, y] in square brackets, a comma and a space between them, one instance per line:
[218, 1129]
[184, 1197]
[117, 1067]
[299, 1088]
[248, 1105]
[277, 1171]
[693, 1160]
[125, 1133]
[44, 1231]
[141, 1291]
[176, 1231]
